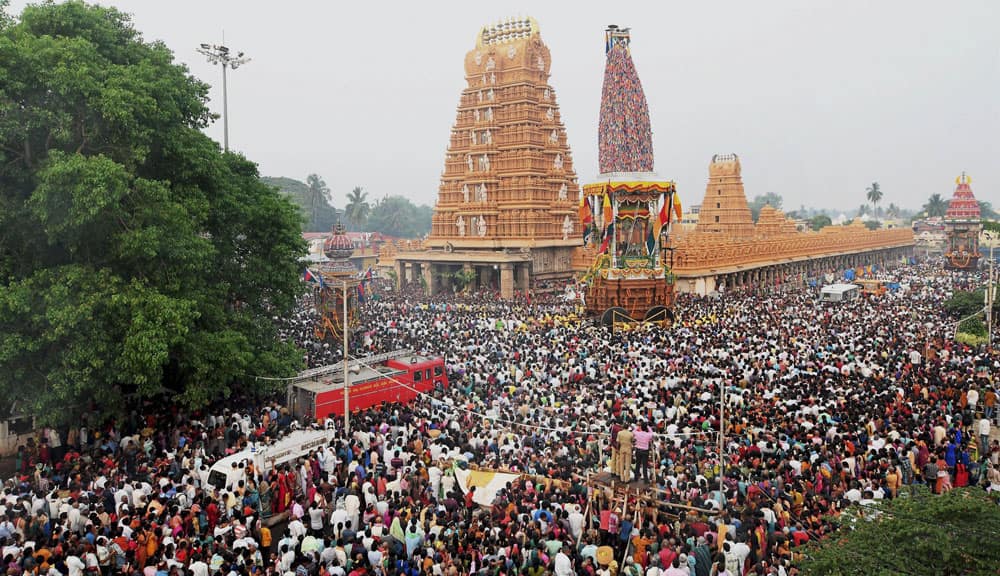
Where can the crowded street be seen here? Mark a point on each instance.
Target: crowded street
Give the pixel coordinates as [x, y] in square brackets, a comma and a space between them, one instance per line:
[827, 407]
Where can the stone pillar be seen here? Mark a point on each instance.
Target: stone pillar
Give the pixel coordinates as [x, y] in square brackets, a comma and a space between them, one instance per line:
[400, 271]
[431, 281]
[506, 280]
[524, 277]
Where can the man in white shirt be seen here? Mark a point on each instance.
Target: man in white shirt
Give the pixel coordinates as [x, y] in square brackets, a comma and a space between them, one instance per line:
[563, 565]
[198, 567]
[984, 436]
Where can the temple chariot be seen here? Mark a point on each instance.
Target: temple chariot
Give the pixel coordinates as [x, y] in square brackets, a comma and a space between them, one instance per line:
[962, 225]
[627, 212]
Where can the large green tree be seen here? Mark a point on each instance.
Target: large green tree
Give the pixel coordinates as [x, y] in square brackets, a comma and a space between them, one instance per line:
[874, 195]
[137, 260]
[357, 208]
[319, 194]
[935, 206]
[397, 216]
[301, 195]
[954, 533]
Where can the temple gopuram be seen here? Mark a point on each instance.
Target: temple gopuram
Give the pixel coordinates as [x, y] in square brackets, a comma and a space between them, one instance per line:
[727, 250]
[506, 213]
[962, 226]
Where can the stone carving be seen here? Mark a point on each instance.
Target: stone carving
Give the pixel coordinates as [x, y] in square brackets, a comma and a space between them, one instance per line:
[484, 162]
[465, 192]
[479, 95]
[567, 227]
[460, 224]
[491, 64]
[541, 63]
[493, 79]
[468, 160]
[482, 226]
[491, 96]
[554, 136]
[549, 114]
[558, 162]
[487, 137]
[481, 195]
[479, 58]
[563, 192]
[489, 114]
[511, 52]
[546, 94]
[475, 114]
[472, 136]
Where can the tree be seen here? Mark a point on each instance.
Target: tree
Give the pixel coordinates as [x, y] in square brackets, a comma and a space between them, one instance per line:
[319, 194]
[986, 210]
[951, 534]
[357, 209]
[137, 260]
[820, 221]
[874, 195]
[935, 206]
[298, 192]
[892, 211]
[863, 210]
[770, 199]
[397, 216]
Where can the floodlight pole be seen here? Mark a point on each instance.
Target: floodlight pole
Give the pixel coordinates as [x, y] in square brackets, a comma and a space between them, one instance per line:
[347, 373]
[219, 54]
[989, 297]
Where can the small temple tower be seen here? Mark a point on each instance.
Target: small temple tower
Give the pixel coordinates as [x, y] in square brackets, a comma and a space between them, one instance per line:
[628, 210]
[962, 224]
[507, 202]
[724, 209]
[339, 277]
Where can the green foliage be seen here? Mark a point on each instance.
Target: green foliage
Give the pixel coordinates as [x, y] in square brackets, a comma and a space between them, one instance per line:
[317, 214]
[874, 195]
[970, 339]
[819, 222]
[759, 201]
[935, 206]
[136, 259]
[397, 216]
[357, 208]
[954, 533]
[463, 278]
[991, 227]
[872, 224]
[972, 326]
[986, 210]
[962, 304]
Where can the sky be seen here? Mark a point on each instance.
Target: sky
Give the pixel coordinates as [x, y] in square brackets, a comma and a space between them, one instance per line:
[819, 99]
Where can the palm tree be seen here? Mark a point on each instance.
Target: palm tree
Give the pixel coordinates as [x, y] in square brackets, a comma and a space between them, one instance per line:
[318, 193]
[892, 211]
[357, 207]
[874, 194]
[935, 206]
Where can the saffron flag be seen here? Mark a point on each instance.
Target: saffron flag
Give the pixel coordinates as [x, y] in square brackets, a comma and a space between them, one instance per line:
[606, 210]
[585, 215]
[677, 204]
[664, 216]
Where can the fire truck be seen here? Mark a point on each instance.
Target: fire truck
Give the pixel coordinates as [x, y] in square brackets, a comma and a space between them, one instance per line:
[393, 377]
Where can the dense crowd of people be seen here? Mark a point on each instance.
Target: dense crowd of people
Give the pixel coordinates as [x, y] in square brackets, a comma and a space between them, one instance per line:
[827, 408]
[625, 140]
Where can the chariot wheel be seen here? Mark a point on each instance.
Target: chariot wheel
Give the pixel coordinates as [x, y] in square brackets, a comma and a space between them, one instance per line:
[615, 314]
[660, 314]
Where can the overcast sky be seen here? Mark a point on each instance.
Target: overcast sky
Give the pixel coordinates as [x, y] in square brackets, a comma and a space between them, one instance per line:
[818, 99]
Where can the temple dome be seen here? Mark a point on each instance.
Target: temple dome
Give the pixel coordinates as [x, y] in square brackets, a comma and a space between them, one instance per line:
[963, 205]
[338, 246]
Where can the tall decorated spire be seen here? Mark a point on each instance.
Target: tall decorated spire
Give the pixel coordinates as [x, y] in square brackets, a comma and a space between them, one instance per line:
[625, 139]
[963, 205]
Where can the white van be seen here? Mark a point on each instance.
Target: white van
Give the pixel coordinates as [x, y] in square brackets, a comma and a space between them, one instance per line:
[227, 472]
[839, 292]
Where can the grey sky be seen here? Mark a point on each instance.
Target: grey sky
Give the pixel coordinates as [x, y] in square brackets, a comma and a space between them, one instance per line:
[818, 98]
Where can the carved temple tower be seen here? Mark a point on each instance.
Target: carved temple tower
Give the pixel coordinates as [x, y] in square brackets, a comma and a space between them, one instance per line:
[724, 209]
[507, 200]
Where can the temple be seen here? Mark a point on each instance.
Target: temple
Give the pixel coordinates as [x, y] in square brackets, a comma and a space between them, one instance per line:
[962, 225]
[506, 213]
[727, 250]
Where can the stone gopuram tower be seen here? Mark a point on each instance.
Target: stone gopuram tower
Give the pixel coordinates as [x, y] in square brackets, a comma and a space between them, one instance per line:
[507, 202]
[724, 209]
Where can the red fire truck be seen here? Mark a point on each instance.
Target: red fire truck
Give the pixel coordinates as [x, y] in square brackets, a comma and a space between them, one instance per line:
[394, 377]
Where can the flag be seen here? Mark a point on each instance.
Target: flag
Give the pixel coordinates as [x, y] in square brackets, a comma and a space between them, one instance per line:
[368, 275]
[585, 215]
[587, 229]
[607, 237]
[606, 210]
[310, 276]
[664, 216]
[677, 205]
[650, 240]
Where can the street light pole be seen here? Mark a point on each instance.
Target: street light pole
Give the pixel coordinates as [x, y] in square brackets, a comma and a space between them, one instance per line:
[989, 296]
[347, 373]
[218, 54]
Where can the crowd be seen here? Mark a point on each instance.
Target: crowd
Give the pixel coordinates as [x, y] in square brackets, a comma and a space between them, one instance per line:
[625, 140]
[827, 408]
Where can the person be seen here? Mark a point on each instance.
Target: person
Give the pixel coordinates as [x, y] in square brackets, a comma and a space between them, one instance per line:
[563, 565]
[624, 462]
[643, 439]
[984, 436]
